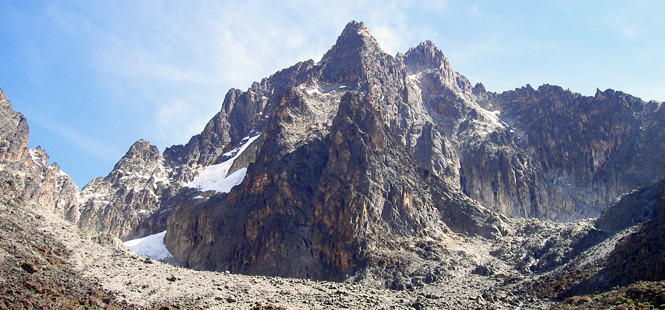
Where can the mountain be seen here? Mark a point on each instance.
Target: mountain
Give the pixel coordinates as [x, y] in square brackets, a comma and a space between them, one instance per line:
[362, 149]
[375, 170]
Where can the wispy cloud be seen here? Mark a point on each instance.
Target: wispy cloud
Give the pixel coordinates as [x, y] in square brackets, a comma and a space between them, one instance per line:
[88, 144]
[173, 61]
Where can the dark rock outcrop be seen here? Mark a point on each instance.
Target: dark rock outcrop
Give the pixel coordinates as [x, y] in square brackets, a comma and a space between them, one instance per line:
[322, 210]
[641, 255]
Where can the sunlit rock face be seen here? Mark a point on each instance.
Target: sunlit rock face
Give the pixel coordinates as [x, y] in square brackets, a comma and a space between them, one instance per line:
[138, 185]
[28, 170]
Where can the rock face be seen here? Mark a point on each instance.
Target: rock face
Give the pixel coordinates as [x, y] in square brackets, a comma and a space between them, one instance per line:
[322, 210]
[641, 255]
[583, 152]
[364, 150]
[28, 170]
[131, 193]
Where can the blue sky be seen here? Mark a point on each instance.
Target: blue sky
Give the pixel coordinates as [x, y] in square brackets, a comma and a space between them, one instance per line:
[92, 77]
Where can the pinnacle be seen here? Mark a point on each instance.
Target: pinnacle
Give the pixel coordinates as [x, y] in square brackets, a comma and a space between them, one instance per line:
[355, 38]
[141, 148]
[356, 28]
[424, 56]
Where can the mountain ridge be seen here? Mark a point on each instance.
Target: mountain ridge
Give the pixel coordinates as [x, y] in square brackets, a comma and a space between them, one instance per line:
[539, 153]
[389, 174]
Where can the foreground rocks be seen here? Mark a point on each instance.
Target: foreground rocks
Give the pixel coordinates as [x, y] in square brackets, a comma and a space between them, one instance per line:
[36, 269]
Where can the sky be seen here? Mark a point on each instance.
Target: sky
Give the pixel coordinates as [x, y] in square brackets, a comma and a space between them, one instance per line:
[93, 77]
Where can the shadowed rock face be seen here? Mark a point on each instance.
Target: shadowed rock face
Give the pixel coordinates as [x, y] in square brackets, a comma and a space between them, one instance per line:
[641, 255]
[320, 211]
[583, 152]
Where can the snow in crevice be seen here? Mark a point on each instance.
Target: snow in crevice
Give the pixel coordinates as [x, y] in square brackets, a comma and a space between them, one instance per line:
[312, 91]
[151, 246]
[245, 142]
[215, 177]
[492, 116]
[416, 76]
[414, 80]
[316, 89]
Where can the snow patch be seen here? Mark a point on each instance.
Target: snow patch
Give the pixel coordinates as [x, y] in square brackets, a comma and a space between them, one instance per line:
[493, 116]
[32, 153]
[225, 185]
[215, 177]
[60, 173]
[415, 77]
[151, 246]
[312, 91]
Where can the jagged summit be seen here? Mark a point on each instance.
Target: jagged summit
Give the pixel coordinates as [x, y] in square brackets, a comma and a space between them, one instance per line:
[425, 56]
[354, 40]
[349, 61]
[141, 149]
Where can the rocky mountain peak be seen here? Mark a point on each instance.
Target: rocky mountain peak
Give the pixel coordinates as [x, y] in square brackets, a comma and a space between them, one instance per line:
[118, 203]
[28, 170]
[142, 149]
[425, 56]
[352, 57]
[479, 89]
[355, 38]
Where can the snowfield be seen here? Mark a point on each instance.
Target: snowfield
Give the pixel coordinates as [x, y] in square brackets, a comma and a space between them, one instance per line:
[215, 177]
[151, 246]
